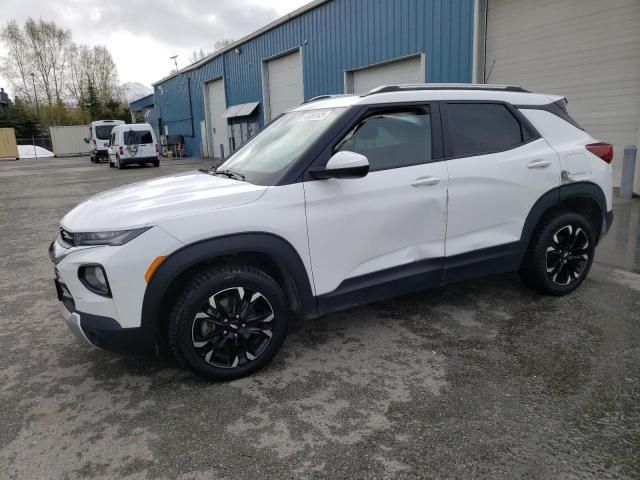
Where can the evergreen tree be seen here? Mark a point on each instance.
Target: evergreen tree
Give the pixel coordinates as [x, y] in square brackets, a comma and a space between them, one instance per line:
[92, 101]
[22, 119]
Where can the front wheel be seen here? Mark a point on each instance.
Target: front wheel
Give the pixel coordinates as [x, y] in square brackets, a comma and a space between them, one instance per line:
[228, 322]
[560, 255]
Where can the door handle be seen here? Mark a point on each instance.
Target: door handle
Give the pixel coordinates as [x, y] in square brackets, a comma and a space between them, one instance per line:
[425, 181]
[539, 164]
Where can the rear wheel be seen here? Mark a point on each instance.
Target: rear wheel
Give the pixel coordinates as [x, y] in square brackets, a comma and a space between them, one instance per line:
[110, 162]
[560, 255]
[228, 322]
[156, 163]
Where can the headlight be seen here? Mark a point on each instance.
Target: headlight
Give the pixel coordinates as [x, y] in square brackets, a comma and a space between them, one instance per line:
[81, 239]
[95, 279]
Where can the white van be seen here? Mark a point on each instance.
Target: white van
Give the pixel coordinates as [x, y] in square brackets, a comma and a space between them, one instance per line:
[98, 140]
[133, 143]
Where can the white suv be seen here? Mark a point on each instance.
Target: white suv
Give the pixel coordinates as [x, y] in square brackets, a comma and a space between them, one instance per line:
[341, 201]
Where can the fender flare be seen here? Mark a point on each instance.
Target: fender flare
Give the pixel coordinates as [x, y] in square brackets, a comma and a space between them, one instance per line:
[551, 199]
[279, 249]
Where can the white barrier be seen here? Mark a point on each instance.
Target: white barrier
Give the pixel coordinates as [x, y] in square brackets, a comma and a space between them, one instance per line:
[69, 141]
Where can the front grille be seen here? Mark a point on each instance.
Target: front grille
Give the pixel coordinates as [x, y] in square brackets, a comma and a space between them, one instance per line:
[67, 237]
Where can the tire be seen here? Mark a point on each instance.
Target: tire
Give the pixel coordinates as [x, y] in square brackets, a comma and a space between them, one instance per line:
[560, 254]
[92, 158]
[206, 335]
[110, 163]
[156, 163]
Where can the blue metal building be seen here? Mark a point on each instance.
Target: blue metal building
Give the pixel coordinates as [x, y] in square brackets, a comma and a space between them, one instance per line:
[325, 47]
[140, 107]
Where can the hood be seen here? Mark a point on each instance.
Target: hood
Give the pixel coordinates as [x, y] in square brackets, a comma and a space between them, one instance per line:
[141, 204]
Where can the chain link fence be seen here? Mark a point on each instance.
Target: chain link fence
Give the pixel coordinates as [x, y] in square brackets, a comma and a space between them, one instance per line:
[43, 141]
[28, 146]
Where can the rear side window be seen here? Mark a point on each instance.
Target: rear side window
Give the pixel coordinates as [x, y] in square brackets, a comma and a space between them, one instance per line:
[392, 140]
[481, 128]
[137, 137]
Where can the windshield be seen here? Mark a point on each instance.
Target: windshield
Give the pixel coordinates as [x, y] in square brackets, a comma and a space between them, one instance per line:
[103, 132]
[265, 157]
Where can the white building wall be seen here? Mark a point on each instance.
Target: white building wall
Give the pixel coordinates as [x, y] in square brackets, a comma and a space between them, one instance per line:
[586, 50]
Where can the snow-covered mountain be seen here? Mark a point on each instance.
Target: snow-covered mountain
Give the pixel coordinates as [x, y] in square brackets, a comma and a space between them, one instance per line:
[133, 91]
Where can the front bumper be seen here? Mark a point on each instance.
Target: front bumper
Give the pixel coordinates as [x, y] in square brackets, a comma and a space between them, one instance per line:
[104, 332]
[72, 319]
[110, 322]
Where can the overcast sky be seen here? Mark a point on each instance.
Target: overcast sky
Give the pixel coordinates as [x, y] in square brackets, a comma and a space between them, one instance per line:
[142, 35]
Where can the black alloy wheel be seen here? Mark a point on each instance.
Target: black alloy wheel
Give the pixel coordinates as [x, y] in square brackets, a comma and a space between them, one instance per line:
[233, 328]
[560, 253]
[228, 322]
[567, 255]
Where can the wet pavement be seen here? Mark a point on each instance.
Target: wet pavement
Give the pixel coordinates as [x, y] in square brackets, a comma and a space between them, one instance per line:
[621, 247]
[483, 379]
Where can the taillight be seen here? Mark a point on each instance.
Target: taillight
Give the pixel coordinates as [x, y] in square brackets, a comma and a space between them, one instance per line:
[121, 150]
[602, 150]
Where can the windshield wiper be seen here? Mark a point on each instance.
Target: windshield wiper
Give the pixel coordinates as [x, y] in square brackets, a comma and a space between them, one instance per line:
[230, 174]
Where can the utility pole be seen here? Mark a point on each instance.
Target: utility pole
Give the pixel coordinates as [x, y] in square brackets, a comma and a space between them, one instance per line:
[35, 94]
[175, 61]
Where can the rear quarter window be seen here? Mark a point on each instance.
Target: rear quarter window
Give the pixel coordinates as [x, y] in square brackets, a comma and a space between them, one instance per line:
[482, 128]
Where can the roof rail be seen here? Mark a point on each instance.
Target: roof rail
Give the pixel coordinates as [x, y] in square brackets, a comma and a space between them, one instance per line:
[323, 97]
[447, 86]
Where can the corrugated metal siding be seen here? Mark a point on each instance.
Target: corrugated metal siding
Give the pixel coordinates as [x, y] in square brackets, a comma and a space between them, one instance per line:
[335, 36]
[587, 50]
[141, 103]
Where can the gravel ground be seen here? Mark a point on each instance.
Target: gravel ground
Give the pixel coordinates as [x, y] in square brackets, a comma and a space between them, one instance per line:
[483, 379]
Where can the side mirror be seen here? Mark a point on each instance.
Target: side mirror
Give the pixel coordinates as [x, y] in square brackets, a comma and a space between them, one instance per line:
[343, 164]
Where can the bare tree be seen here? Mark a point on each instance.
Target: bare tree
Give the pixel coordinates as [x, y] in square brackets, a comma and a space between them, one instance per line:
[105, 75]
[61, 69]
[197, 56]
[79, 64]
[16, 66]
[47, 47]
[223, 43]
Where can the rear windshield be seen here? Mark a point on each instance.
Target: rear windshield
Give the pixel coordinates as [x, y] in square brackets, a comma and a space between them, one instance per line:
[137, 137]
[103, 132]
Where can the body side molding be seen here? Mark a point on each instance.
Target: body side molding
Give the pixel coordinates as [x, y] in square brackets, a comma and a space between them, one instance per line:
[423, 274]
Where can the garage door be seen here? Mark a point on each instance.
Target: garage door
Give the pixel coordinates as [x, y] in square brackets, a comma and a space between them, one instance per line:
[217, 125]
[284, 84]
[586, 50]
[410, 70]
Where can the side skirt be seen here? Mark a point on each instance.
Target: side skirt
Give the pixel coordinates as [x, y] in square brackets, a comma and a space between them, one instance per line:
[416, 276]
